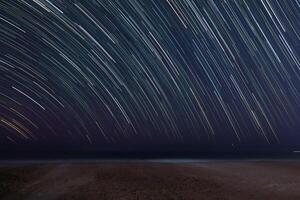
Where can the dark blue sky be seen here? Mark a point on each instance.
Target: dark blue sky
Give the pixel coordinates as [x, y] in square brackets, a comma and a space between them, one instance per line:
[150, 74]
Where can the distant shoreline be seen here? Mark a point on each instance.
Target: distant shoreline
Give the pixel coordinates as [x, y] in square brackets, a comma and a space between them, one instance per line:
[142, 161]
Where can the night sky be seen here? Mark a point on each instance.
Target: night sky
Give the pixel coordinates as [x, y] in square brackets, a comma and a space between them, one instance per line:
[149, 74]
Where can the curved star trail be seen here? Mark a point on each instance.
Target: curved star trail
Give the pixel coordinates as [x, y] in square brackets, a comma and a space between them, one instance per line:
[158, 71]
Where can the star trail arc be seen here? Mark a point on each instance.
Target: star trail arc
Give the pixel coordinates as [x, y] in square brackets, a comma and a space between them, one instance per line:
[113, 71]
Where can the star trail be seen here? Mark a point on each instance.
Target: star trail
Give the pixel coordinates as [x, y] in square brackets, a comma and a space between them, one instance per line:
[95, 72]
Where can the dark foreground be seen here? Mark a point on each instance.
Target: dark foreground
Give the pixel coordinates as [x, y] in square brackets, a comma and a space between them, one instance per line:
[209, 180]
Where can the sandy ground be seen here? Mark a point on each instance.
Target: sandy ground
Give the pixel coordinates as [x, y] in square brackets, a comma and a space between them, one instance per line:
[212, 180]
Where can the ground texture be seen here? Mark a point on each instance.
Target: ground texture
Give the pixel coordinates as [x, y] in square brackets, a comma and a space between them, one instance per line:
[234, 180]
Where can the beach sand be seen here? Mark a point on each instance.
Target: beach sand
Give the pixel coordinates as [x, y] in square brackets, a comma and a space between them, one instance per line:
[152, 180]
